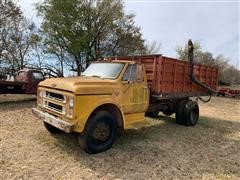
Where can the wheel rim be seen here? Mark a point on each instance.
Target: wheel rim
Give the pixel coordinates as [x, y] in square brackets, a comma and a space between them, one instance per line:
[102, 133]
[194, 115]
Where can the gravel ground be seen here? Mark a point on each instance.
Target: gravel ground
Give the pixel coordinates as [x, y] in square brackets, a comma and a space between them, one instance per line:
[161, 150]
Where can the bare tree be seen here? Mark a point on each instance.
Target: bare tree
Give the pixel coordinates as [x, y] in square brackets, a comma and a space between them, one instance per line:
[228, 75]
[17, 35]
[9, 14]
[153, 47]
[17, 45]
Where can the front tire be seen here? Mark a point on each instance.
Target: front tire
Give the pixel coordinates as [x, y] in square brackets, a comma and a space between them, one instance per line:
[99, 134]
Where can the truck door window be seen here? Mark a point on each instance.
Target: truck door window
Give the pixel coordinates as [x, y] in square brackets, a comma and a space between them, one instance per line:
[37, 76]
[140, 73]
[130, 73]
[21, 76]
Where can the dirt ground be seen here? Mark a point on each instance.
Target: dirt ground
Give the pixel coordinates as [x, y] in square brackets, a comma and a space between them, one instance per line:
[163, 150]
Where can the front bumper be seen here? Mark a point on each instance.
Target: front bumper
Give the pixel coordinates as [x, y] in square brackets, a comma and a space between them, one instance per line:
[56, 122]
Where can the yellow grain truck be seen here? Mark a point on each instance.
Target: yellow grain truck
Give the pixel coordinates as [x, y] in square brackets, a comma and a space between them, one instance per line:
[116, 94]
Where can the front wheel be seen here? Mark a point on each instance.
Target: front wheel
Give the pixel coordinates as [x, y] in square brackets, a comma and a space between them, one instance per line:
[99, 133]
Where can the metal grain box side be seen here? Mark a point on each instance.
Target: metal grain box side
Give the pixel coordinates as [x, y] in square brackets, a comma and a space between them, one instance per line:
[169, 77]
[172, 79]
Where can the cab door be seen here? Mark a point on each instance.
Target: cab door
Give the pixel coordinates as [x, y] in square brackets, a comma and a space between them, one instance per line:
[34, 78]
[135, 91]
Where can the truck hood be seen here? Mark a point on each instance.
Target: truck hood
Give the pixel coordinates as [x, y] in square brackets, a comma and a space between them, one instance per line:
[80, 85]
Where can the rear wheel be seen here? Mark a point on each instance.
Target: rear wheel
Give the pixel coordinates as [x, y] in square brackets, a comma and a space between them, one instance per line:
[99, 133]
[179, 112]
[52, 129]
[191, 113]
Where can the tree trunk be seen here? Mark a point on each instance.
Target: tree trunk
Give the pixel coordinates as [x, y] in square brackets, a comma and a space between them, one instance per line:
[87, 60]
[79, 70]
[61, 64]
[21, 67]
[79, 65]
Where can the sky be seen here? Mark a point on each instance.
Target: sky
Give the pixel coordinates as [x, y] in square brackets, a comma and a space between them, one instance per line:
[214, 23]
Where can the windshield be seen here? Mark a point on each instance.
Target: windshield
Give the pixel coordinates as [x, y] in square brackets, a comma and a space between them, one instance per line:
[38, 76]
[104, 70]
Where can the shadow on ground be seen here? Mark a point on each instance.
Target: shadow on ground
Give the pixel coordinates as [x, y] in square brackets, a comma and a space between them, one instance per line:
[165, 150]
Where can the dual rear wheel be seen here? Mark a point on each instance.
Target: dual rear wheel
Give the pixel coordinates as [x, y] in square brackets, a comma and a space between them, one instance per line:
[187, 113]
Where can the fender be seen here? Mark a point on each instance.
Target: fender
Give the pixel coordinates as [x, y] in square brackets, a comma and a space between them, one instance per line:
[88, 104]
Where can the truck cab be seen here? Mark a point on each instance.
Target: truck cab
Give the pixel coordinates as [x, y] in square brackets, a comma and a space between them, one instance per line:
[31, 78]
[109, 95]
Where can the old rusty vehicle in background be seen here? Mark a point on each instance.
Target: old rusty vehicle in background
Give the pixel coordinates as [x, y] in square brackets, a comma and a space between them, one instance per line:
[117, 93]
[25, 82]
[229, 92]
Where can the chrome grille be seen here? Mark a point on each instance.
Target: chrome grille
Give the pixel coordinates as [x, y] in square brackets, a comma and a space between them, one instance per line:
[55, 102]
[55, 96]
[55, 107]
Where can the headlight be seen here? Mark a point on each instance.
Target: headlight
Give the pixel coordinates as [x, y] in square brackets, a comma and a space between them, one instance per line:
[70, 106]
[42, 94]
[71, 102]
[40, 98]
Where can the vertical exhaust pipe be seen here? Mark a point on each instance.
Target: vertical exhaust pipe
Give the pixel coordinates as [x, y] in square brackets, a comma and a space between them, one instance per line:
[191, 73]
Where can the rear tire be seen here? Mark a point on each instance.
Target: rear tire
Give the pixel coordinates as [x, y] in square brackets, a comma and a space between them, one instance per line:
[179, 112]
[191, 113]
[52, 129]
[99, 134]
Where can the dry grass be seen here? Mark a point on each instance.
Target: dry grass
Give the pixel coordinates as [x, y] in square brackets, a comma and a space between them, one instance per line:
[210, 150]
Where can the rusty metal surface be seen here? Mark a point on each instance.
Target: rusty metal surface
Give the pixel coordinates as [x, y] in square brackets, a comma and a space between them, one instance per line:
[56, 122]
[12, 87]
[228, 91]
